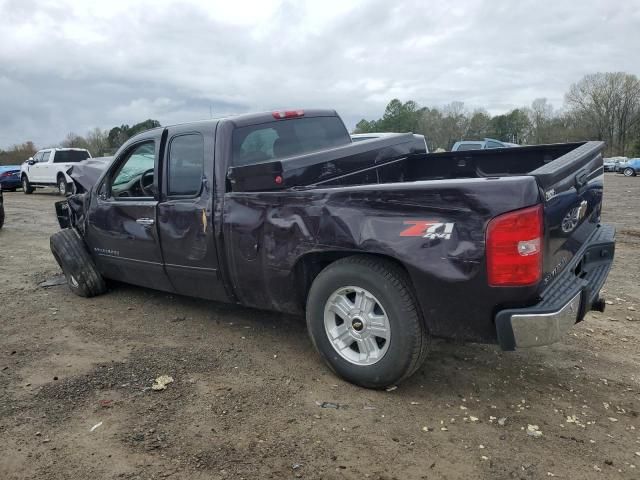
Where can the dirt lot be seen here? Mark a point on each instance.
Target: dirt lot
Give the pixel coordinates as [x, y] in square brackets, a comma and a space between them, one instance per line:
[247, 385]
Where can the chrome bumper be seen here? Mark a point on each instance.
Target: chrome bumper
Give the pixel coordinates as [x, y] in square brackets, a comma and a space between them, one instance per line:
[566, 301]
[532, 330]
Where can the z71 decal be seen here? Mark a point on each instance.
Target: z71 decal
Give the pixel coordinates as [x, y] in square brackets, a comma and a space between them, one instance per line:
[428, 229]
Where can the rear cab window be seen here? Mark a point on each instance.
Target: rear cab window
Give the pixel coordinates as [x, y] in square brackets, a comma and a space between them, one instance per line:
[286, 138]
[70, 156]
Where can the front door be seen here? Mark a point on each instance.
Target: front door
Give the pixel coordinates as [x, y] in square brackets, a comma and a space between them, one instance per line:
[122, 230]
[185, 213]
[35, 171]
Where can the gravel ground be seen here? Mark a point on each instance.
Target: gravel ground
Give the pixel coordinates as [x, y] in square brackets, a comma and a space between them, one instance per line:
[247, 398]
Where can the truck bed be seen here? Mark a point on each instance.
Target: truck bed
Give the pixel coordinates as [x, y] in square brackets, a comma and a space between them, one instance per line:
[395, 159]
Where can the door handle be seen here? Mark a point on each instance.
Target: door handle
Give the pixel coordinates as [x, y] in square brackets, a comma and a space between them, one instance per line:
[145, 221]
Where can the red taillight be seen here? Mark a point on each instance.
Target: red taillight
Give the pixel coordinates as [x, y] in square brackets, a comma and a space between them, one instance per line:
[288, 114]
[514, 242]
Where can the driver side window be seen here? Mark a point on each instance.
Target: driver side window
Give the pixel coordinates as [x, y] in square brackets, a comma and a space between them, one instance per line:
[135, 175]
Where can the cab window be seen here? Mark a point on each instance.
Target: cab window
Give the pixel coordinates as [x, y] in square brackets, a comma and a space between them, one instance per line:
[135, 175]
[186, 165]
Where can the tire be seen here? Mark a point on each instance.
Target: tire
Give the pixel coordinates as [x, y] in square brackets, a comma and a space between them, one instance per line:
[26, 185]
[62, 185]
[1, 215]
[389, 294]
[629, 172]
[71, 254]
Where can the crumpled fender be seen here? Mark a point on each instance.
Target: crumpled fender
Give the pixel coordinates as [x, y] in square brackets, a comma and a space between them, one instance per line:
[86, 173]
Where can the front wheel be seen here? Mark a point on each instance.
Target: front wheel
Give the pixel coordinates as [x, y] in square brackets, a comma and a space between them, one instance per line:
[364, 320]
[26, 185]
[629, 172]
[81, 273]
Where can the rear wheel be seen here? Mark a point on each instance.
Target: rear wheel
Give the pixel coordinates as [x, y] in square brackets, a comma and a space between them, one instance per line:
[629, 172]
[26, 185]
[77, 265]
[363, 319]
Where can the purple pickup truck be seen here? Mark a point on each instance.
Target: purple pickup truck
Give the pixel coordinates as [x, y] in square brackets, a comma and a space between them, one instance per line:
[380, 244]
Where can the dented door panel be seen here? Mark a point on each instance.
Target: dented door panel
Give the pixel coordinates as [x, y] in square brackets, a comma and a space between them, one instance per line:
[434, 229]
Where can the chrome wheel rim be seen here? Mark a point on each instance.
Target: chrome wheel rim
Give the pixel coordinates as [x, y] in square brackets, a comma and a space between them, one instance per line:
[357, 325]
[62, 186]
[73, 281]
[628, 172]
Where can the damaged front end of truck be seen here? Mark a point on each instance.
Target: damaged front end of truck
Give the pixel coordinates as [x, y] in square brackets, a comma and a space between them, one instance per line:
[71, 212]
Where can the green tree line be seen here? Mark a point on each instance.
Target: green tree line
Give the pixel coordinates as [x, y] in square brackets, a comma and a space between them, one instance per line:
[602, 106]
[98, 141]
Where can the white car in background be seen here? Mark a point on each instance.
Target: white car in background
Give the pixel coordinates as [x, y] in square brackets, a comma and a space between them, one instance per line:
[481, 145]
[360, 137]
[48, 168]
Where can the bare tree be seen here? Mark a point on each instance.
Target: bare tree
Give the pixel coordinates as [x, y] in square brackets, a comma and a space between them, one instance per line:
[609, 105]
[98, 142]
[540, 116]
[455, 123]
[73, 140]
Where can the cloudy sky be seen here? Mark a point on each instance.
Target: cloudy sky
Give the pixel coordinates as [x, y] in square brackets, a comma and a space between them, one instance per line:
[73, 65]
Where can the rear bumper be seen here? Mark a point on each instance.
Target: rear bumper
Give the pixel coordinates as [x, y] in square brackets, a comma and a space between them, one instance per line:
[565, 302]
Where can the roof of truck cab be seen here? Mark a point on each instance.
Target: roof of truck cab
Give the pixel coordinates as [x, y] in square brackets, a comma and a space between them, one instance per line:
[246, 119]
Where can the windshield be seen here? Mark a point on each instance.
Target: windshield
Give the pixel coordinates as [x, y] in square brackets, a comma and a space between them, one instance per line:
[285, 138]
[136, 166]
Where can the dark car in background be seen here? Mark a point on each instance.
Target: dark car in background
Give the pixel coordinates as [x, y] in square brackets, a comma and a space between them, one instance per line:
[10, 177]
[1, 209]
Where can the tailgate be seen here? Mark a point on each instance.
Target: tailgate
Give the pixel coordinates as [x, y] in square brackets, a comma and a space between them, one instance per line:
[572, 191]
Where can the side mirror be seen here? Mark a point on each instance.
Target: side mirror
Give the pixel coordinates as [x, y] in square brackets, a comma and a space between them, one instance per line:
[31, 161]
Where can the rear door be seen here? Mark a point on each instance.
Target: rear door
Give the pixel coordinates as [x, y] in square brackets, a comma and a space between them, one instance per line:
[572, 188]
[185, 213]
[122, 228]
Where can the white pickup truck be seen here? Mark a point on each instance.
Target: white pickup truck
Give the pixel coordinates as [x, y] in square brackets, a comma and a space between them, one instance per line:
[48, 168]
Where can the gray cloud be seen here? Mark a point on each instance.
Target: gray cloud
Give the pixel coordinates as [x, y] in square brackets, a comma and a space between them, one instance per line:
[69, 66]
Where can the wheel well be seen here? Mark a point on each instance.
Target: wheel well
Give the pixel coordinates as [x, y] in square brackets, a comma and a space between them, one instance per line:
[310, 265]
[60, 174]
